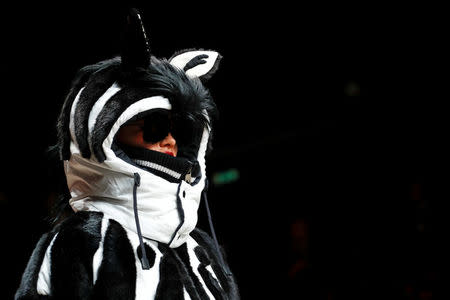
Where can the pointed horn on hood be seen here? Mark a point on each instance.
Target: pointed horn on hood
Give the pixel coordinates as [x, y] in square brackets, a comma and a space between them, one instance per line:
[135, 44]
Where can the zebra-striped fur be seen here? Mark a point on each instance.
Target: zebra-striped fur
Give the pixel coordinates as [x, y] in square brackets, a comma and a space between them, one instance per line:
[104, 264]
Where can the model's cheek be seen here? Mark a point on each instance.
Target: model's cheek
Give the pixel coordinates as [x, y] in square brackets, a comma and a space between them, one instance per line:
[154, 147]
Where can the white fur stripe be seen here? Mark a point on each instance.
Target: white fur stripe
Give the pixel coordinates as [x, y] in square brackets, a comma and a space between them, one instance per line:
[191, 244]
[146, 280]
[186, 295]
[98, 256]
[72, 118]
[210, 270]
[98, 106]
[43, 283]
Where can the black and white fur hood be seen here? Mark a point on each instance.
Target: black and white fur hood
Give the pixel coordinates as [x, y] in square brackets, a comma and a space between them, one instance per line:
[133, 235]
[159, 196]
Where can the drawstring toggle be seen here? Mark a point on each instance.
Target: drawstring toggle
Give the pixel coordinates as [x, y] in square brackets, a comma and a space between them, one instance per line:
[144, 261]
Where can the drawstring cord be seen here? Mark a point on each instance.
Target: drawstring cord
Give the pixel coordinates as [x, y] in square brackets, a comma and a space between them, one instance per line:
[213, 232]
[144, 261]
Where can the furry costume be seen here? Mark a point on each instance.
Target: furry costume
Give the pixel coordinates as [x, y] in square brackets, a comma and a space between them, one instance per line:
[133, 235]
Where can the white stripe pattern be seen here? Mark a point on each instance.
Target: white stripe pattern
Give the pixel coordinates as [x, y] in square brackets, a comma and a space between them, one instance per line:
[157, 167]
[98, 256]
[43, 283]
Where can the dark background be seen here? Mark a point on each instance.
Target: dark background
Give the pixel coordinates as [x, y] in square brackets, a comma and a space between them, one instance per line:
[329, 116]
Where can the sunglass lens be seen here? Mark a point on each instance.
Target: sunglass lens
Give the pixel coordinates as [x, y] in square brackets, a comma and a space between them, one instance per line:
[156, 127]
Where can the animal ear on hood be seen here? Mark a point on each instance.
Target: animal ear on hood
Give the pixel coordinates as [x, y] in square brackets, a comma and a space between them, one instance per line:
[135, 46]
[197, 63]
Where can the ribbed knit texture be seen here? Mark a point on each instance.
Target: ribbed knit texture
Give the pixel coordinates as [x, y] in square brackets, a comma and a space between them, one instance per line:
[175, 167]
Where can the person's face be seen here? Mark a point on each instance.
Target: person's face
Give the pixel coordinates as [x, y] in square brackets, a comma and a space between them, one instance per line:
[132, 134]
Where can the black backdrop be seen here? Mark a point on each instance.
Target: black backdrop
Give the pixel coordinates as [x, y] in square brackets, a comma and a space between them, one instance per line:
[338, 170]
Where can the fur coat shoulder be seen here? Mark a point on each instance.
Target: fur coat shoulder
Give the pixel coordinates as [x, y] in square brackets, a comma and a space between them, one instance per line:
[90, 256]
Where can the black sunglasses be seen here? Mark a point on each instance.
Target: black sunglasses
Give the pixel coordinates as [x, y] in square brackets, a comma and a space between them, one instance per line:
[159, 124]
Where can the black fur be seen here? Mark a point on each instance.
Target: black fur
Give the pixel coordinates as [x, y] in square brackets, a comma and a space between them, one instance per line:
[73, 249]
[27, 288]
[197, 60]
[64, 117]
[222, 272]
[176, 272]
[62, 125]
[151, 255]
[170, 286]
[72, 272]
[117, 272]
[97, 85]
[184, 261]
[209, 280]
